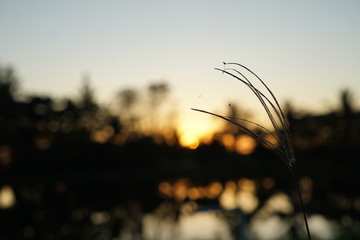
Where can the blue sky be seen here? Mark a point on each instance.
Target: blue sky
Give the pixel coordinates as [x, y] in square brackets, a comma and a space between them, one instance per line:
[307, 51]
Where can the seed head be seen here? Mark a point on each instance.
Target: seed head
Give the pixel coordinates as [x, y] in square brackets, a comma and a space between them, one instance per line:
[284, 149]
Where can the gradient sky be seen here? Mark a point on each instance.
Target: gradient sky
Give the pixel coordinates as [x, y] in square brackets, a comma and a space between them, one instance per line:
[307, 51]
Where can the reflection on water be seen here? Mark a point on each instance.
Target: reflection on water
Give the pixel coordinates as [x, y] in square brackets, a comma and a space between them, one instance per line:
[233, 210]
[214, 224]
[189, 221]
[243, 144]
[205, 225]
[241, 196]
[7, 197]
[230, 211]
[274, 218]
[182, 188]
[231, 196]
[273, 221]
[323, 228]
[267, 223]
[272, 227]
[199, 225]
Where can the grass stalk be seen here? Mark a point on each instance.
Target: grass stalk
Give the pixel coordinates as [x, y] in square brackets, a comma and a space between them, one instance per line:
[285, 148]
[302, 205]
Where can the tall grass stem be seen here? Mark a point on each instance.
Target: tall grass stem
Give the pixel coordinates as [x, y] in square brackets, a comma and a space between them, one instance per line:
[285, 147]
[302, 205]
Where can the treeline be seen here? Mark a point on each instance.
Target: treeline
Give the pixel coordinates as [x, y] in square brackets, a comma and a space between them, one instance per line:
[39, 133]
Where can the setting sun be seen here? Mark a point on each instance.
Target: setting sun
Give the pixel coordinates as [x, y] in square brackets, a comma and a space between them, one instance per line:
[192, 134]
[189, 140]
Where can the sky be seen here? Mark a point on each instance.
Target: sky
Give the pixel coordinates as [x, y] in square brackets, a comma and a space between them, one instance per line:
[306, 51]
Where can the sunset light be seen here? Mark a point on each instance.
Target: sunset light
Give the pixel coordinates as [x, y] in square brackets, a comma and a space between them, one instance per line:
[245, 144]
[189, 140]
[173, 119]
[192, 135]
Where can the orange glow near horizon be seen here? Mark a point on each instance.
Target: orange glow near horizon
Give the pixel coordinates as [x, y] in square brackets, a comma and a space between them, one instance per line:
[228, 140]
[192, 139]
[189, 140]
[193, 133]
[245, 144]
[272, 140]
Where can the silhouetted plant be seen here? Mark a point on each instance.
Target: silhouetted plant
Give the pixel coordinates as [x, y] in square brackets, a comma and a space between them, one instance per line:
[8, 83]
[284, 147]
[87, 101]
[157, 94]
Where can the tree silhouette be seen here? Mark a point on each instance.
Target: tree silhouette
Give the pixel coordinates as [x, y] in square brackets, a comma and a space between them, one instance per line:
[157, 95]
[87, 98]
[8, 83]
[347, 102]
[128, 98]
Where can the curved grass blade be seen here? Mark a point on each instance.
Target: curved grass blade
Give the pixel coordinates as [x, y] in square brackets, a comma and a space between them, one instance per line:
[285, 149]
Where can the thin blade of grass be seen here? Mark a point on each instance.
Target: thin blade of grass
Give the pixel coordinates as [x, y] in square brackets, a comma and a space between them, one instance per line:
[280, 131]
[258, 94]
[267, 143]
[281, 115]
[257, 125]
[285, 150]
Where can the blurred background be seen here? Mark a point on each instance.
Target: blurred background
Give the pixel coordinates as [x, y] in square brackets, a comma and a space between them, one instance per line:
[98, 139]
